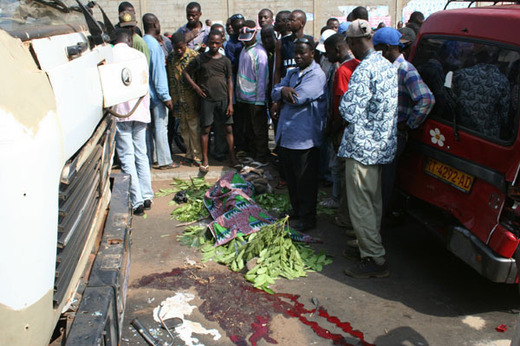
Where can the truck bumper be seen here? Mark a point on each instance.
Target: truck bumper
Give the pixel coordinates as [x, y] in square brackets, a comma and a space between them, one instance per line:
[100, 314]
[474, 252]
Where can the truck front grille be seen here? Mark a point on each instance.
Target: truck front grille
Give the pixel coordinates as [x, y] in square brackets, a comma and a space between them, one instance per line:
[83, 179]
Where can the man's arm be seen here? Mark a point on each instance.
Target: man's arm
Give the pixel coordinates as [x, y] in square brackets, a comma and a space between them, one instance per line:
[229, 82]
[193, 66]
[276, 93]
[421, 96]
[312, 86]
[355, 101]
[262, 78]
[158, 74]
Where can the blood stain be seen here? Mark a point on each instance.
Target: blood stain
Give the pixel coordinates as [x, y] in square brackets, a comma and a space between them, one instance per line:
[240, 309]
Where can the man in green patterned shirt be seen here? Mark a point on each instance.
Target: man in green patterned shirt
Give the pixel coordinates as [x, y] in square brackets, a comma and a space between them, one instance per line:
[185, 99]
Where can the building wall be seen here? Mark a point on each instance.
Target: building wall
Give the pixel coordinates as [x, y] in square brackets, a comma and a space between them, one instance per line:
[171, 13]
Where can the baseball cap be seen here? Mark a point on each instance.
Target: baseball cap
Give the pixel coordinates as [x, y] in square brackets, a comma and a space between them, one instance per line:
[387, 35]
[127, 18]
[408, 35]
[248, 31]
[359, 28]
[343, 27]
[326, 34]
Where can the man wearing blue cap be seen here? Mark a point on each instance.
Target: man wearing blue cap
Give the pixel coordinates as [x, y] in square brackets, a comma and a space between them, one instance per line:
[415, 100]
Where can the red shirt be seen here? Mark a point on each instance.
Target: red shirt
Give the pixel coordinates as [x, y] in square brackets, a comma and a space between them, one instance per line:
[341, 79]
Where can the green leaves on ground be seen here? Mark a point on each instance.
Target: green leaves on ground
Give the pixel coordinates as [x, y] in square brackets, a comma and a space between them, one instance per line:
[277, 203]
[194, 209]
[193, 236]
[164, 192]
[274, 203]
[269, 253]
[271, 250]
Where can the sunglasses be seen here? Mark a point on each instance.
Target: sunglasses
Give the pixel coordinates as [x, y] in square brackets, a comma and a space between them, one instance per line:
[304, 40]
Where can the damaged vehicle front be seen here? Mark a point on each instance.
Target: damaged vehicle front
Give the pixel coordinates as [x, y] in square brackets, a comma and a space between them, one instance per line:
[64, 218]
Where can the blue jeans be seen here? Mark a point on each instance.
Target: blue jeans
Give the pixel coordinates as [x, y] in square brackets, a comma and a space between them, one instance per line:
[160, 133]
[131, 148]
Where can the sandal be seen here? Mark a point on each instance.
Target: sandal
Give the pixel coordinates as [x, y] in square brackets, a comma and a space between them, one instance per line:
[247, 160]
[204, 169]
[170, 166]
[257, 164]
[282, 184]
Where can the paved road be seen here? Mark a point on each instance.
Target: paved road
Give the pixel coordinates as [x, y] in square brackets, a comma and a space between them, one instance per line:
[431, 297]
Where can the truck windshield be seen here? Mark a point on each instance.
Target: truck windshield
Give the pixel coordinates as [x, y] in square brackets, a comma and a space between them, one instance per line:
[30, 16]
[483, 98]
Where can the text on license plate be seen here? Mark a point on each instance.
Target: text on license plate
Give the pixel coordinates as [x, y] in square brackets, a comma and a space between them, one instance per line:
[448, 174]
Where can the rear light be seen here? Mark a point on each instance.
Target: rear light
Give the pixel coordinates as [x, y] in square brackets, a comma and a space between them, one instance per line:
[503, 242]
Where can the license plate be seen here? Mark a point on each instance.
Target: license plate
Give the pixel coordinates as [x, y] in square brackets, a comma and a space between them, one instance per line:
[448, 174]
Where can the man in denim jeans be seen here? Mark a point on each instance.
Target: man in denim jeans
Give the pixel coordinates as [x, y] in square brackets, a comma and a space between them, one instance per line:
[131, 133]
[159, 96]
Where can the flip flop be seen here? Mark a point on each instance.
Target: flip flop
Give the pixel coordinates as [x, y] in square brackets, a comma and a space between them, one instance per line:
[257, 164]
[247, 160]
[204, 169]
[170, 166]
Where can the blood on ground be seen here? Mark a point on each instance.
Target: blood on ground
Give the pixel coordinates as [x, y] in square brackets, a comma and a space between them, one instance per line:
[240, 309]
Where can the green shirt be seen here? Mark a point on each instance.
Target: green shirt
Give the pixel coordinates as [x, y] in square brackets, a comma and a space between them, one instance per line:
[141, 46]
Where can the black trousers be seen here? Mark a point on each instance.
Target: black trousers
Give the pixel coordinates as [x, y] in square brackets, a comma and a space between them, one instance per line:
[301, 173]
[256, 131]
[239, 127]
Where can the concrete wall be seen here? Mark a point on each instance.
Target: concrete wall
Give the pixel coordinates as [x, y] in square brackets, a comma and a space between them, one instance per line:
[171, 13]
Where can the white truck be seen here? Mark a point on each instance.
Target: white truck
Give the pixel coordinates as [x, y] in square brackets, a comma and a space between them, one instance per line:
[64, 218]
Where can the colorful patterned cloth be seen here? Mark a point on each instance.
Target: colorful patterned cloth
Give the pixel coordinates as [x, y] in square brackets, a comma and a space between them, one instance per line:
[235, 213]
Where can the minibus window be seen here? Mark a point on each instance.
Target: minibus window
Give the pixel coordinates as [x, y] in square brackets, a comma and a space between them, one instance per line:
[483, 98]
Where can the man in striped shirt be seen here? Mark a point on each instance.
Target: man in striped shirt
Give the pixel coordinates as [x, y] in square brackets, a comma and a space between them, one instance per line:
[415, 100]
[252, 78]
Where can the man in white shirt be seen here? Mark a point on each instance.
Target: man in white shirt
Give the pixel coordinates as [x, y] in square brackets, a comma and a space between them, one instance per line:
[131, 132]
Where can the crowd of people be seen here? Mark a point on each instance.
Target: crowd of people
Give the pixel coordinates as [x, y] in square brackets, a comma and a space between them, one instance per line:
[340, 106]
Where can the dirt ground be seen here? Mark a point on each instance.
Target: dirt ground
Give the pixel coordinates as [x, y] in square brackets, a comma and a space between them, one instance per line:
[431, 298]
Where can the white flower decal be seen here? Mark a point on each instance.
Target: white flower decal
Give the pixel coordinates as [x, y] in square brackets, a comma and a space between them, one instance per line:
[437, 137]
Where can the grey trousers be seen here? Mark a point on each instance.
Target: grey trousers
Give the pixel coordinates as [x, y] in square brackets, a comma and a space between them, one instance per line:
[365, 205]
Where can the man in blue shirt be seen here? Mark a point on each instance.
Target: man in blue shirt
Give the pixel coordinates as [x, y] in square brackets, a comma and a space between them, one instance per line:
[299, 133]
[160, 99]
[369, 141]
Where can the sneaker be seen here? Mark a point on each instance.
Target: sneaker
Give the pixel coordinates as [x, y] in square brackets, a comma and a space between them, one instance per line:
[367, 268]
[139, 211]
[147, 204]
[330, 203]
[303, 226]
